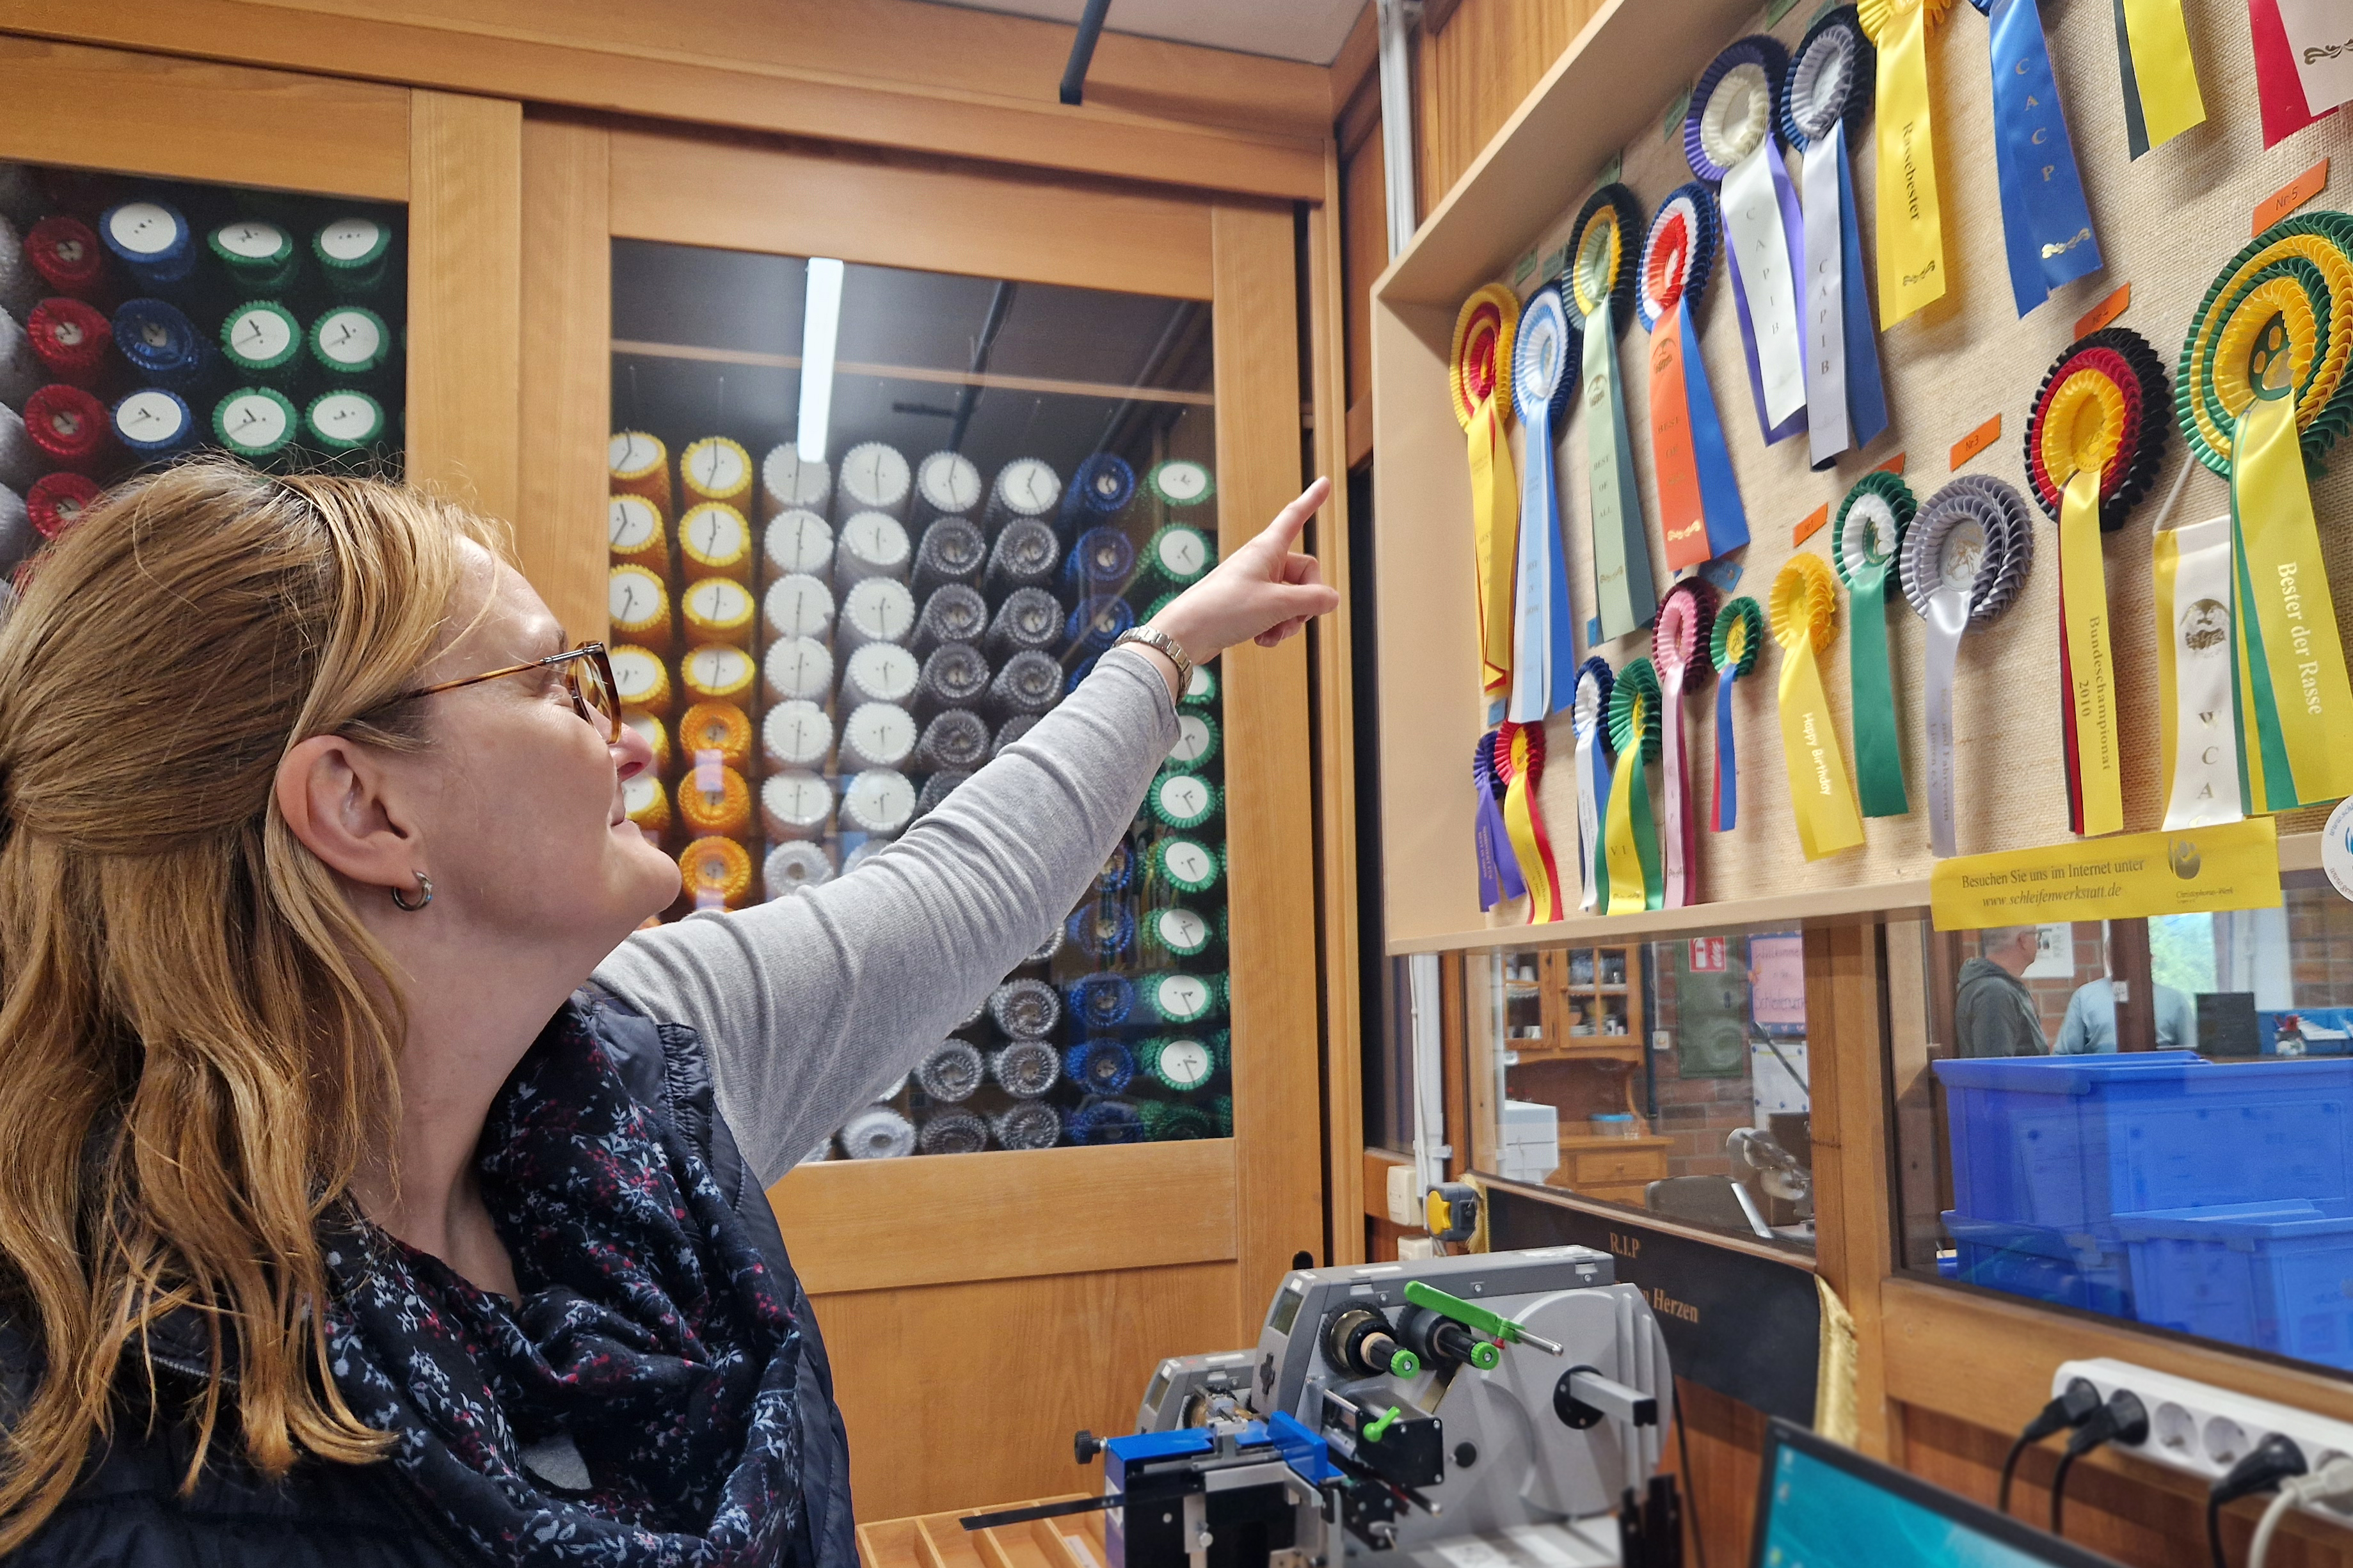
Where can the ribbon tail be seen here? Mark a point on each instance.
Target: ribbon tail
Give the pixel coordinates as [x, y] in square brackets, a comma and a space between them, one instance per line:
[2278, 88]
[2195, 676]
[2161, 97]
[1646, 835]
[1621, 852]
[2301, 682]
[1560, 612]
[1622, 554]
[1878, 746]
[1948, 618]
[1719, 488]
[1589, 821]
[1678, 844]
[1532, 640]
[1866, 395]
[1911, 222]
[2090, 669]
[1683, 508]
[1595, 851]
[1819, 793]
[1727, 766]
[1828, 428]
[2046, 223]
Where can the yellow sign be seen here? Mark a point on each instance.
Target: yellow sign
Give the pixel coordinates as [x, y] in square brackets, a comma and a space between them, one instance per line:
[2139, 876]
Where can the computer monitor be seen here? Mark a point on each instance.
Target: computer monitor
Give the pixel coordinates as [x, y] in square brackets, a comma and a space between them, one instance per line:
[1822, 1506]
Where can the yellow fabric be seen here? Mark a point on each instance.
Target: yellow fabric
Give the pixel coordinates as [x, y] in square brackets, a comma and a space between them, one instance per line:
[1803, 612]
[1526, 831]
[1628, 894]
[2230, 385]
[2098, 767]
[1482, 350]
[2168, 80]
[1911, 219]
[1837, 1408]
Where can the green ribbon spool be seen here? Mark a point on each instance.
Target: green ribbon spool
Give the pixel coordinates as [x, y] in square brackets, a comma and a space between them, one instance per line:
[258, 253]
[343, 420]
[1180, 481]
[1186, 864]
[1183, 800]
[1202, 689]
[350, 340]
[1866, 545]
[1177, 555]
[262, 340]
[355, 253]
[1181, 1062]
[1178, 933]
[255, 423]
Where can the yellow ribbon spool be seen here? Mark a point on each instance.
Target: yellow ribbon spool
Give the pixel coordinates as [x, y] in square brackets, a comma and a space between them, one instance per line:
[716, 870]
[1803, 612]
[1480, 377]
[727, 813]
[1911, 246]
[715, 726]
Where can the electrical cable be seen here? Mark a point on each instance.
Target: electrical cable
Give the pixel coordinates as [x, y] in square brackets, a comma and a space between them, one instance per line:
[2123, 1419]
[2275, 1459]
[2331, 1482]
[2075, 1404]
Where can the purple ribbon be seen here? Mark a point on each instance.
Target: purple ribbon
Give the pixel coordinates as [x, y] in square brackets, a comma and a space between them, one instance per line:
[1793, 233]
[1499, 868]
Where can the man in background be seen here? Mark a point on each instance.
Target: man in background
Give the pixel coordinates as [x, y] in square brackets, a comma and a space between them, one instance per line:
[2090, 1026]
[1993, 1013]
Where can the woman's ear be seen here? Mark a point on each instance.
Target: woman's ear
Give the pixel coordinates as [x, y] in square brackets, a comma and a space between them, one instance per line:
[333, 793]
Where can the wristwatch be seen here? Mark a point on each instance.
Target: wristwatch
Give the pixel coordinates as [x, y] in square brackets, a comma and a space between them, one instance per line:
[1161, 642]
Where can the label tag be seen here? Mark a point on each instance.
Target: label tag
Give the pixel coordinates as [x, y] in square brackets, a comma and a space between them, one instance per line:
[1813, 525]
[2103, 314]
[2131, 877]
[1676, 113]
[2292, 196]
[1977, 440]
[1894, 464]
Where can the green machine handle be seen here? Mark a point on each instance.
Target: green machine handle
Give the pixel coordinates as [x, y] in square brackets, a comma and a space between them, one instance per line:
[1473, 1316]
[1377, 1428]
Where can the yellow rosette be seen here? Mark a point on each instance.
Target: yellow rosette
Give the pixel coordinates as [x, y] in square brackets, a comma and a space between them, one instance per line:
[1911, 222]
[1479, 376]
[1803, 613]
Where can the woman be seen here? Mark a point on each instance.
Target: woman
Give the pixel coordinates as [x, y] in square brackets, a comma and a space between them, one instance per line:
[373, 1194]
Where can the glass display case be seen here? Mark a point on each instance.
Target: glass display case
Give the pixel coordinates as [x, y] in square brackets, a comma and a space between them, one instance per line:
[1669, 1077]
[867, 524]
[143, 319]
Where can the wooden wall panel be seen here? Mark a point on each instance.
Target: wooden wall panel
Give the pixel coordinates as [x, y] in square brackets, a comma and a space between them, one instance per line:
[1474, 71]
[966, 1396]
[464, 298]
[566, 395]
[259, 127]
[1846, 1064]
[1273, 942]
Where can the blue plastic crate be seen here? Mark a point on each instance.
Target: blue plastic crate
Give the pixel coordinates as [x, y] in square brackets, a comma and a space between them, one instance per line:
[2069, 1143]
[2082, 1269]
[2273, 1275]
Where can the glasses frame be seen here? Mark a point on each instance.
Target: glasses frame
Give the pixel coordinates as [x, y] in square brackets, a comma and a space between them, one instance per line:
[594, 651]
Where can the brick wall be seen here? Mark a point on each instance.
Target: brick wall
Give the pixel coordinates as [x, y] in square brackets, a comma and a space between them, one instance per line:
[2320, 947]
[1695, 1113]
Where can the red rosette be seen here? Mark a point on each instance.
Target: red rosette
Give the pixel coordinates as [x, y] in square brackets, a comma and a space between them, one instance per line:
[66, 252]
[69, 427]
[57, 501]
[70, 338]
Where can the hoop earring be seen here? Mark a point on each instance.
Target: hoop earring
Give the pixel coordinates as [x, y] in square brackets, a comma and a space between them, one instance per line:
[423, 881]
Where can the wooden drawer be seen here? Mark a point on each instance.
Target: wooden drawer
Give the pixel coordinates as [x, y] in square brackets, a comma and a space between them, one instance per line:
[1631, 1197]
[1614, 1167]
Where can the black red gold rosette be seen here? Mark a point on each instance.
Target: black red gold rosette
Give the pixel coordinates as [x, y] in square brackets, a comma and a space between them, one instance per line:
[1975, 534]
[1480, 368]
[2300, 271]
[1832, 77]
[1602, 248]
[1736, 105]
[1678, 253]
[2102, 403]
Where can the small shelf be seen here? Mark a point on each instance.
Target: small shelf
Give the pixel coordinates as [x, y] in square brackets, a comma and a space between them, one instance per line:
[944, 377]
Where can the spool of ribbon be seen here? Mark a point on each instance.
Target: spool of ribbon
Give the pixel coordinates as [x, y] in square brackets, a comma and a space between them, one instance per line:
[1865, 546]
[1699, 497]
[1479, 376]
[1803, 609]
[1519, 763]
[2046, 223]
[1680, 644]
[1499, 868]
[1733, 648]
[1963, 558]
[2198, 719]
[2161, 97]
[1629, 833]
[2264, 394]
[2093, 444]
[1911, 219]
[1589, 713]
[1543, 367]
[1729, 136]
[1599, 289]
[1823, 102]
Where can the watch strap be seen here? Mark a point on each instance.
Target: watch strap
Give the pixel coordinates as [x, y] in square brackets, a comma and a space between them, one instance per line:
[1161, 642]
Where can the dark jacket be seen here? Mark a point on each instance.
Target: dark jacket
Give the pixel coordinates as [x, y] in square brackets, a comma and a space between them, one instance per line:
[1994, 1014]
[127, 1509]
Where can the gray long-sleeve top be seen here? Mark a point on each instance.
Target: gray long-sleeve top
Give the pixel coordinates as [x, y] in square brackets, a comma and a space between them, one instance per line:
[812, 1004]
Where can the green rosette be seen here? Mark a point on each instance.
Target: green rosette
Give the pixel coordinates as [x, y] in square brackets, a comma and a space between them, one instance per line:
[1182, 1000]
[2301, 267]
[260, 254]
[1178, 933]
[350, 340]
[1637, 707]
[1866, 546]
[1181, 482]
[1738, 637]
[1187, 865]
[1182, 801]
[343, 420]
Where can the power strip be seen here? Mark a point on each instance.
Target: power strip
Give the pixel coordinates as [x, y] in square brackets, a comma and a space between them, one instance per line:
[2202, 1430]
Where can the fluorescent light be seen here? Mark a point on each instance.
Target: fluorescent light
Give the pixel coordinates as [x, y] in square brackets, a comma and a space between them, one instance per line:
[820, 326]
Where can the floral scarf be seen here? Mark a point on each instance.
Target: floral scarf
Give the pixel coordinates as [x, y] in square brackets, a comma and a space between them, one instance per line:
[652, 1331]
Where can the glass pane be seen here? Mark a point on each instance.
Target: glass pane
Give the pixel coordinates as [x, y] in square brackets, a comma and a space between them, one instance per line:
[143, 320]
[2176, 1150]
[1669, 1077]
[869, 525]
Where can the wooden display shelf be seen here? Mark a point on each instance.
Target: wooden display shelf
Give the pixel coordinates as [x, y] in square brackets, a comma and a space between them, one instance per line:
[938, 374]
[941, 1540]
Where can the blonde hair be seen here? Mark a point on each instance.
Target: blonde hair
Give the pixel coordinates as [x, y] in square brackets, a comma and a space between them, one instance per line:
[198, 1034]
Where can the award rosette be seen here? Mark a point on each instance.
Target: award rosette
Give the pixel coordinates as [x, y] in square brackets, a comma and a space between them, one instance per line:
[1865, 547]
[1699, 496]
[1590, 714]
[2161, 97]
[1963, 558]
[2279, 87]
[1629, 835]
[1823, 102]
[1911, 219]
[1499, 868]
[2197, 715]
[2092, 444]
[1733, 648]
[1544, 659]
[1729, 139]
[1519, 763]
[2046, 225]
[1479, 376]
[2262, 395]
[1598, 289]
[1679, 645]
[1803, 610]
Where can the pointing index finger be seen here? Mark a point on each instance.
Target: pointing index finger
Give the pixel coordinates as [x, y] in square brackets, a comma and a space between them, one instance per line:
[1280, 534]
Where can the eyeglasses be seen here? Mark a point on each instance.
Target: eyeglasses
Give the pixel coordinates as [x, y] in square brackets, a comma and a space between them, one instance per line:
[587, 676]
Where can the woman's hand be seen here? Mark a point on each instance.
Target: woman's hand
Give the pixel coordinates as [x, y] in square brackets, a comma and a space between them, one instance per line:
[1262, 593]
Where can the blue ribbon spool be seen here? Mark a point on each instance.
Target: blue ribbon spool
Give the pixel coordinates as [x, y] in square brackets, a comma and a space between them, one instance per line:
[1105, 927]
[1105, 1122]
[1098, 623]
[154, 423]
[1102, 486]
[161, 344]
[152, 239]
[1118, 870]
[1102, 1001]
[1101, 562]
[1079, 672]
[1099, 1067]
